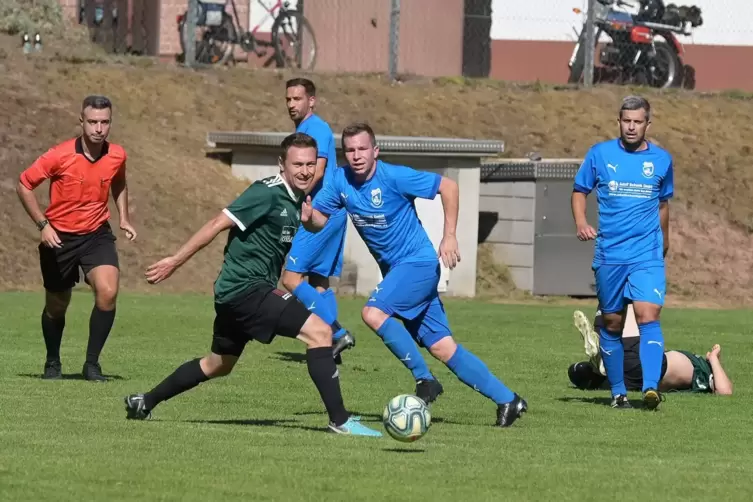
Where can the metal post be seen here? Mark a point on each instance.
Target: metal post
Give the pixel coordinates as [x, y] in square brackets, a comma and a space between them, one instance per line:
[588, 68]
[189, 34]
[394, 38]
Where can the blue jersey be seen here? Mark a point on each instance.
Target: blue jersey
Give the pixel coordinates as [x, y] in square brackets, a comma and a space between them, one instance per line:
[318, 129]
[383, 211]
[629, 187]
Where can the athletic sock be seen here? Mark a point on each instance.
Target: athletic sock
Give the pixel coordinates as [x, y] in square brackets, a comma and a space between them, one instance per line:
[52, 331]
[612, 354]
[475, 374]
[100, 324]
[186, 377]
[326, 377]
[330, 303]
[402, 345]
[651, 353]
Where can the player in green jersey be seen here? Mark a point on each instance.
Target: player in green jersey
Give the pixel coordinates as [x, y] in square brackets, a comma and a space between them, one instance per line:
[681, 370]
[248, 306]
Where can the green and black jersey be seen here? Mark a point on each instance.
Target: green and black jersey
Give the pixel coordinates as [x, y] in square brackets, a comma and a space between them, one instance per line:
[266, 216]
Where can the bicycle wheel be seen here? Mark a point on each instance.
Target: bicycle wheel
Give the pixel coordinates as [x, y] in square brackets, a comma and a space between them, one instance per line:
[293, 41]
[215, 47]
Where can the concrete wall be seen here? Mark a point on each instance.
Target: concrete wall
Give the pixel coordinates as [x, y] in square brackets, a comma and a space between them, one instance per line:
[508, 212]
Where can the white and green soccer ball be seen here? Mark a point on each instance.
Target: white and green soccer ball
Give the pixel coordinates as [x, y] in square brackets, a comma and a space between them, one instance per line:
[406, 418]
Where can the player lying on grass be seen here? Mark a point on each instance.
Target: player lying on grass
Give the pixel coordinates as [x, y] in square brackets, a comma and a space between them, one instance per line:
[681, 370]
[248, 306]
[379, 198]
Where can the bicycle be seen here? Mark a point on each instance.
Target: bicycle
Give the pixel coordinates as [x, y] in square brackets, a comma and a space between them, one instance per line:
[215, 46]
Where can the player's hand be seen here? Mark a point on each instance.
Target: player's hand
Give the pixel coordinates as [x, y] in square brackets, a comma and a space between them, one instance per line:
[449, 252]
[307, 211]
[586, 232]
[161, 270]
[716, 351]
[128, 229]
[50, 238]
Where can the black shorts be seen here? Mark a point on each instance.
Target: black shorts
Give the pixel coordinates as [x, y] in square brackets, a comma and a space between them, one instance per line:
[258, 314]
[633, 370]
[86, 251]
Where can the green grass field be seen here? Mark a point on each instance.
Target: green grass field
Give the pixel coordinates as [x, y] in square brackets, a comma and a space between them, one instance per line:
[259, 434]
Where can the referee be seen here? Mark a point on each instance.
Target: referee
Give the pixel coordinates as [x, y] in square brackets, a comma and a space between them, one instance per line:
[74, 230]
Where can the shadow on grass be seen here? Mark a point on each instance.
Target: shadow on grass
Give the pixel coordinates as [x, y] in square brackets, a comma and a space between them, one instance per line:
[291, 357]
[604, 401]
[69, 376]
[374, 417]
[252, 422]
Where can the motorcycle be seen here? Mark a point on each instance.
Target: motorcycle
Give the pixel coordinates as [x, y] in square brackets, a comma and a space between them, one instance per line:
[644, 48]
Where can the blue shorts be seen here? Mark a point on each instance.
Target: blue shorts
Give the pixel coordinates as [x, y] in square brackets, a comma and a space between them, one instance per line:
[319, 253]
[409, 293]
[640, 282]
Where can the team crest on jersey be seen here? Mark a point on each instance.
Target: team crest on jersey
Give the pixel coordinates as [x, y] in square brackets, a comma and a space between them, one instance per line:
[612, 186]
[648, 169]
[376, 197]
[287, 234]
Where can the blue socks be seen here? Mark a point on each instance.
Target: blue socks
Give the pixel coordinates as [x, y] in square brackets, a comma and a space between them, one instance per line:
[651, 353]
[613, 356]
[402, 345]
[324, 305]
[473, 372]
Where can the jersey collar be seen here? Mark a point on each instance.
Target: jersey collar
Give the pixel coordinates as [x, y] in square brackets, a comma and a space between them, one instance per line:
[80, 149]
[287, 187]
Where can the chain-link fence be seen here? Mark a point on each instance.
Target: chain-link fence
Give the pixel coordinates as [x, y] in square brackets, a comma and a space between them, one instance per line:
[636, 42]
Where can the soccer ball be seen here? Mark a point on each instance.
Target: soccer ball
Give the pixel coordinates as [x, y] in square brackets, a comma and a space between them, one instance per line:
[406, 418]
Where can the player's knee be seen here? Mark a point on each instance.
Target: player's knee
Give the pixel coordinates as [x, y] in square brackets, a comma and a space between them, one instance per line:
[373, 317]
[291, 280]
[647, 314]
[215, 366]
[319, 282]
[318, 333]
[56, 304]
[612, 322]
[444, 349]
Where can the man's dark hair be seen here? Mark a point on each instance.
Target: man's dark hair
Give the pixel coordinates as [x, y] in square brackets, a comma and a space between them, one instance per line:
[307, 84]
[299, 140]
[636, 103]
[96, 102]
[358, 128]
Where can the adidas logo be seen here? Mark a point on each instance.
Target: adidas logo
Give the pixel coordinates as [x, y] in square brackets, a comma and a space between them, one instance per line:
[284, 213]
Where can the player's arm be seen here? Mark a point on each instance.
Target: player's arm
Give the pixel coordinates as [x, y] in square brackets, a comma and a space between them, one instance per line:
[449, 250]
[585, 181]
[45, 167]
[664, 220]
[315, 216]
[666, 191]
[252, 204]
[722, 383]
[119, 189]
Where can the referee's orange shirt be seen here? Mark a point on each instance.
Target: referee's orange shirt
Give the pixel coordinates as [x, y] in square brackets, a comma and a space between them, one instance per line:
[79, 187]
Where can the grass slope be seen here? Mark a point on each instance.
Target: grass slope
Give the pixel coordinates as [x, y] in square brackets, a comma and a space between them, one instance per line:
[163, 113]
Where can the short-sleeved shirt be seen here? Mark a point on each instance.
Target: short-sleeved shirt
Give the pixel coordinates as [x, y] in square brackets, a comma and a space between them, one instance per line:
[266, 216]
[629, 188]
[383, 211]
[79, 187]
[320, 130]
